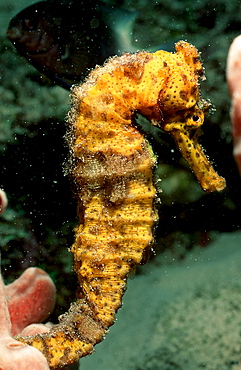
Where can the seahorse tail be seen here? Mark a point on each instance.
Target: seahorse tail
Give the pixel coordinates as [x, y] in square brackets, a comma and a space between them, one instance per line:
[74, 337]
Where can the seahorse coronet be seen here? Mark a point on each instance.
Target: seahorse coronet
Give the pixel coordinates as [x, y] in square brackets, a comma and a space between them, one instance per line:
[111, 164]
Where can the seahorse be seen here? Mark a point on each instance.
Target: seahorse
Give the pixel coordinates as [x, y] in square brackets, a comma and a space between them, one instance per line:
[111, 164]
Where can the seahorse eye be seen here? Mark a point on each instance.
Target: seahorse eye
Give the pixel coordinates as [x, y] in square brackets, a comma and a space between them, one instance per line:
[30, 24]
[195, 118]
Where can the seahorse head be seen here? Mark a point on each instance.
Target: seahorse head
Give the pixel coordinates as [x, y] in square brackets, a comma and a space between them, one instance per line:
[182, 111]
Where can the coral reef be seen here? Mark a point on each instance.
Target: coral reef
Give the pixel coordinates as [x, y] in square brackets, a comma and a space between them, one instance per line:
[27, 301]
[234, 82]
[3, 201]
[30, 299]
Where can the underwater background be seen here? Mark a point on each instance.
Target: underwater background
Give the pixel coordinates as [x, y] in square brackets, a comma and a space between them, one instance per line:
[182, 310]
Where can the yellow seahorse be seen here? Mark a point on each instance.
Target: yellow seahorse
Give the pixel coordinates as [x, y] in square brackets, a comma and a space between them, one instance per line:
[111, 164]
